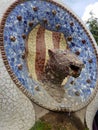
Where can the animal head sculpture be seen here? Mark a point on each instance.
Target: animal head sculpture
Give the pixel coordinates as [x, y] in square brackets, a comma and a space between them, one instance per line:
[62, 63]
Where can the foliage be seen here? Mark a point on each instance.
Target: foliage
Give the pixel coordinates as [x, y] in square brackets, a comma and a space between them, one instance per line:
[41, 125]
[86, 129]
[92, 24]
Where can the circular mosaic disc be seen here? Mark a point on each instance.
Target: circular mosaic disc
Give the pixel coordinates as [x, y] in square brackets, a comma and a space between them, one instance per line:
[28, 29]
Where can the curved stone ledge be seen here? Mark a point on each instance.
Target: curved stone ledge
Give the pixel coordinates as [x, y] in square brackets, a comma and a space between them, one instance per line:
[16, 110]
[91, 111]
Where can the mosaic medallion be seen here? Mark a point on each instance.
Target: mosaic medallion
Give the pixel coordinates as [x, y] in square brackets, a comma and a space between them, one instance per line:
[31, 32]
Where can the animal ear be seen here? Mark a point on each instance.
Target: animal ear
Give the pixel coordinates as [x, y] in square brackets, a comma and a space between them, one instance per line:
[51, 53]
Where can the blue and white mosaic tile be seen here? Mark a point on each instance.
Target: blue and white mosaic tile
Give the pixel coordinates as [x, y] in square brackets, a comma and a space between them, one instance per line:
[14, 50]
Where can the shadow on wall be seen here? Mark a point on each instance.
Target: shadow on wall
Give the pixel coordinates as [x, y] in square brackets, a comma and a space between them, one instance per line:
[95, 122]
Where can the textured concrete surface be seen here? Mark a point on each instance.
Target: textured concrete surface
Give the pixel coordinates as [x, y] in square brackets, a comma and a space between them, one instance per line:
[4, 4]
[91, 111]
[16, 110]
[81, 115]
[39, 111]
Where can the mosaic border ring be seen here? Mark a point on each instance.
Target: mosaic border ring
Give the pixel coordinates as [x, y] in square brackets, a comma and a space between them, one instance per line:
[17, 24]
